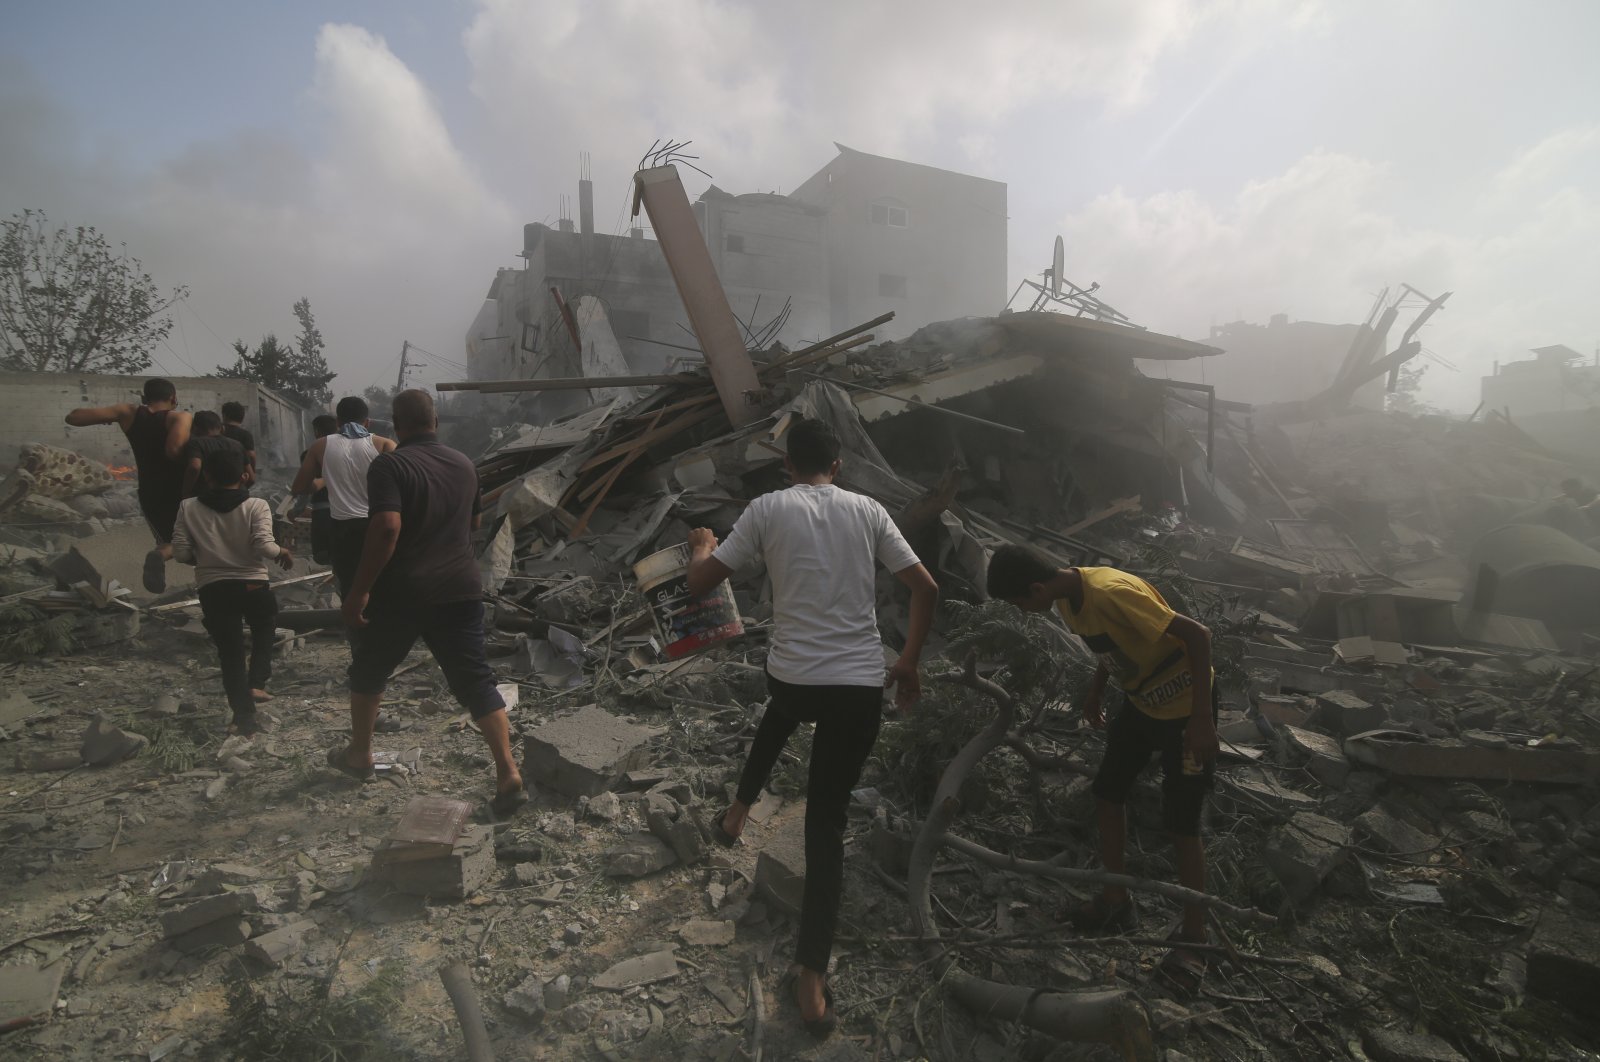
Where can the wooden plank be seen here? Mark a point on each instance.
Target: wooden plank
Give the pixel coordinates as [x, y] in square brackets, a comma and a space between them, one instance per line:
[1121, 505]
[650, 438]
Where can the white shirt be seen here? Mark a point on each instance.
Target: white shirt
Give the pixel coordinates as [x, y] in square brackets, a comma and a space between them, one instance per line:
[820, 544]
[231, 545]
[344, 470]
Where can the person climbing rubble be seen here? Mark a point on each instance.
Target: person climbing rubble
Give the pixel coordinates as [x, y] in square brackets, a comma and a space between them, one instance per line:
[820, 545]
[227, 536]
[1162, 661]
[418, 578]
[157, 432]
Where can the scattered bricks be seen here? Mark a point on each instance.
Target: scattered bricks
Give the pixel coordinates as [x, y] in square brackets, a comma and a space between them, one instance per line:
[1304, 851]
[1564, 960]
[527, 1001]
[1327, 762]
[781, 868]
[641, 970]
[465, 870]
[1286, 709]
[1391, 836]
[702, 932]
[104, 744]
[223, 933]
[1345, 714]
[274, 947]
[1394, 1045]
[638, 854]
[587, 752]
[682, 836]
[184, 919]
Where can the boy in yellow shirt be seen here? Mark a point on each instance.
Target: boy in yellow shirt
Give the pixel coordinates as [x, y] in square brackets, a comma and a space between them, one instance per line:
[1155, 655]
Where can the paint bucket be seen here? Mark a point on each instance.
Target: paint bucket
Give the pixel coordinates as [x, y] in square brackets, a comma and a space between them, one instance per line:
[687, 624]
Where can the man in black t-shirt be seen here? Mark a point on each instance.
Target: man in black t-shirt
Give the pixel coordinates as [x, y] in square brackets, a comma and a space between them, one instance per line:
[418, 578]
[205, 437]
[233, 428]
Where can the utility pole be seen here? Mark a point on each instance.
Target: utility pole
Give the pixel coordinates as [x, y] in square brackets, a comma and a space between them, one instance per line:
[400, 378]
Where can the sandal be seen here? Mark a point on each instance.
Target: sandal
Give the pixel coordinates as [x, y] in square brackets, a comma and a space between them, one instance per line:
[507, 804]
[1100, 916]
[1182, 968]
[336, 760]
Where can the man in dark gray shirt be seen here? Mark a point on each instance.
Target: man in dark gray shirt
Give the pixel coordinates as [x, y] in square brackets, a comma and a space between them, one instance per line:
[418, 578]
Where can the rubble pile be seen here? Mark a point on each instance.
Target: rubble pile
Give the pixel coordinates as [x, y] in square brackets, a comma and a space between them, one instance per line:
[1403, 843]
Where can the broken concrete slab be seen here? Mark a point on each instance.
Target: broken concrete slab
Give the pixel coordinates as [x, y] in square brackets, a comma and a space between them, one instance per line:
[28, 993]
[15, 706]
[586, 752]
[1397, 1045]
[703, 932]
[467, 867]
[223, 933]
[1392, 837]
[1564, 960]
[1404, 753]
[104, 744]
[1304, 851]
[640, 970]
[1345, 713]
[1286, 709]
[638, 854]
[184, 919]
[271, 949]
[1326, 760]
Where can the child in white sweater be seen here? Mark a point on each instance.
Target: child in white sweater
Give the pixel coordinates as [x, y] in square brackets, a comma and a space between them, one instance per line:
[227, 536]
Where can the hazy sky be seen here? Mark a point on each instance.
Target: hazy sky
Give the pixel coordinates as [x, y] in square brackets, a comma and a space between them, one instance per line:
[1205, 161]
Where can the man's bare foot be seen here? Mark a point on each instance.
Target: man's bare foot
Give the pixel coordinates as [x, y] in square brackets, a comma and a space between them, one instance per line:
[808, 993]
[260, 696]
[734, 819]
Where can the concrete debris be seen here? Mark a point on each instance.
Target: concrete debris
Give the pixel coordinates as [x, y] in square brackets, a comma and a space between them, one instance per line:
[1564, 959]
[586, 752]
[104, 744]
[781, 867]
[1396, 1045]
[638, 855]
[28, 993]
[527, 1001]
[641, 970]
[422, 870]
[271, 949]
[1304, 851]
[186, 919]
[704, 932]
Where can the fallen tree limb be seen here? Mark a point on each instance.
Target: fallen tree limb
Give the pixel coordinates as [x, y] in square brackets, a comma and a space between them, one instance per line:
[1247, 915]
[1114, 1018]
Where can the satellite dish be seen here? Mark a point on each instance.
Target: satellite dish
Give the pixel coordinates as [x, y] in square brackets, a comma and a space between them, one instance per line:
[1056, 265]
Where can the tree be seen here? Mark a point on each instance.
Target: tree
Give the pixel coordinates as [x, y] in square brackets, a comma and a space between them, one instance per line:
[1407, 394]
[69, 302]
[379, 399]
[300, 371]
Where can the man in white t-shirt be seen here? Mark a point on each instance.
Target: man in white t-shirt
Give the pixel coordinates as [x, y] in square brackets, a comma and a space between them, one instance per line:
[341, 461]
[821, 545]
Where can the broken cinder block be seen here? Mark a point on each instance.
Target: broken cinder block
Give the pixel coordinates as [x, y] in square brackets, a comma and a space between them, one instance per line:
[213, 908]
[1346, 714]
[1327, 762]
[457, 874]
[587, 752]
[781, 867]
[273, 948]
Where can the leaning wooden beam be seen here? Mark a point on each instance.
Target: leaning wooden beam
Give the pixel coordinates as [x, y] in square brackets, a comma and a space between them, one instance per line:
[784, 362]
[570, 383]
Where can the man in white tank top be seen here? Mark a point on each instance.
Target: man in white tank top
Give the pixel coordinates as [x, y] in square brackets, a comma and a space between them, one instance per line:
[341, 460]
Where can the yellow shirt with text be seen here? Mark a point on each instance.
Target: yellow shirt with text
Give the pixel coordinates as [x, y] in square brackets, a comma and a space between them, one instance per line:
[1124, 622]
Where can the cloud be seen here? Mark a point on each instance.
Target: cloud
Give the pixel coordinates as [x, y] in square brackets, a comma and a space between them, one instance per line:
[762, 89]
[1319, 239]
[382, 222]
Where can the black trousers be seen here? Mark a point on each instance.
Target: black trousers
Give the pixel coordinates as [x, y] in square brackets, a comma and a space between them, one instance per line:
[321, 536]
[847, 720]
[349, 537]
[227, 607]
